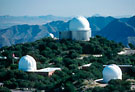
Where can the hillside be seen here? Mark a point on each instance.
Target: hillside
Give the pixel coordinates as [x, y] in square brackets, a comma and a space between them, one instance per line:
[64, 54]
[131, 21]
[56, 26]
[119, 31]
[21, 34]
[28, 33]
[98, 23]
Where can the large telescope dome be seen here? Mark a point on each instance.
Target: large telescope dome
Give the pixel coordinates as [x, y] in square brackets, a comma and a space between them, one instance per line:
[78, 24]
[111, 72]
[27, 63]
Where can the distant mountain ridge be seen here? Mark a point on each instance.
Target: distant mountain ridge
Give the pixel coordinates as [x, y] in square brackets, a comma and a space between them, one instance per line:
[8, 21]
[28, 33]
[55, 26]
[131, 21]
[97, 23]
[21, 34]
[119, 30]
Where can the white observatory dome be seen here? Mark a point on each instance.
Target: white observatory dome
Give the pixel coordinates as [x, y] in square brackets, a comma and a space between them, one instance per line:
[78, 24]
[27, 63]
[111, 72]
[51, 35]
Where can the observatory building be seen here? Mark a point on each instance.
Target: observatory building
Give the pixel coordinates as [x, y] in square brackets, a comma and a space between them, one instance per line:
[79, 29]
[28, 63]
[111, 72]
[51, 35]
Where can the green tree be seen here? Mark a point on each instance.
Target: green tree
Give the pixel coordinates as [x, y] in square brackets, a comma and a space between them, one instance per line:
[69, 87]
[118, 85]
[11, 84]
[14, 66]
[4, 89]
[131, 46]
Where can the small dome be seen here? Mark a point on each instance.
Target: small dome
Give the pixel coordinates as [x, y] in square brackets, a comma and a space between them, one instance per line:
[51, 35]
[78, 24]
[27, 63]
[111, 72]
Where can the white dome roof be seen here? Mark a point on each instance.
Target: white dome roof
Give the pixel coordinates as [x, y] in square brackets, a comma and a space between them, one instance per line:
[111, 72]
[79, 23]
[27, 63]
[51, 35]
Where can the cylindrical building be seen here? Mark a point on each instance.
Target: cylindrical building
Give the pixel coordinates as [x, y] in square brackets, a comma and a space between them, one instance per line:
[80, 29]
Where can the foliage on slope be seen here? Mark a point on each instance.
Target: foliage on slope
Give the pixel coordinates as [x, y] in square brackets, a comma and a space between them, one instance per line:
[64, 54]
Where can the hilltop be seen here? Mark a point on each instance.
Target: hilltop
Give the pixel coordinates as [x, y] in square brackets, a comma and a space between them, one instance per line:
[66, 55]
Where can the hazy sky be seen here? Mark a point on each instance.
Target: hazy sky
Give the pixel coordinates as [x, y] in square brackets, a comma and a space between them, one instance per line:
[67, 7]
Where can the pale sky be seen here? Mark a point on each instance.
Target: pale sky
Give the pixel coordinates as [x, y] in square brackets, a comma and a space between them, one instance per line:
[67, 7]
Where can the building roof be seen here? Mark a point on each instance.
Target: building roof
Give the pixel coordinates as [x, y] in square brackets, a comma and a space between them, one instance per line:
[51, 35]
[27, 63]
[49, 69]
[127, 51]
[111, 72]
[121, 65]
[78, 24]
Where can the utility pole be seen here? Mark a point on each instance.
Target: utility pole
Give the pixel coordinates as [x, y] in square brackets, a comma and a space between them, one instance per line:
[13, 55]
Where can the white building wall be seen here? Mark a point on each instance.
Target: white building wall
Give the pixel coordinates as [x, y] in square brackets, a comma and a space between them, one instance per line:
[65, 35]
[81, 35]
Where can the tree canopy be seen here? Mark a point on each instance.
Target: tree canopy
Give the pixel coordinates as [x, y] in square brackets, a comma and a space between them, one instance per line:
[64, 54]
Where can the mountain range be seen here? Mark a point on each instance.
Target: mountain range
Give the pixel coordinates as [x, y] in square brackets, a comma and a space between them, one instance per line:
[28, 33]
[120, 30]
[8, 21]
